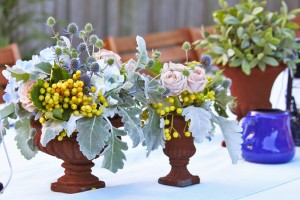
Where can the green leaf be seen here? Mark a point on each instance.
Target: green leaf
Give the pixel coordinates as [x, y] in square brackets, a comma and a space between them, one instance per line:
[253, 63]
[236, 62]
[19, 75]
[44, 67]
[155, 69]
[50, 130]
[131, 120]
[245, 44]
[238, 53]
[247, 18]
[200, 122]
[232, 134]
[113, 154]
[57, 74]
[35, 93]
[71, 125]
[271, 61]
[231, 20]
[246, 67]
[251, 29]
[153, 133]
[7, 110]
[218, 50]
[292, 25]
[222, 99]
[257, 10]
[240, 32]
[142, 54]
[24, 139]
[262, 66]
[93, 134]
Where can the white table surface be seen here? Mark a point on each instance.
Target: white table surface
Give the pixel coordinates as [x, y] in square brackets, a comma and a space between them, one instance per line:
[138, 180]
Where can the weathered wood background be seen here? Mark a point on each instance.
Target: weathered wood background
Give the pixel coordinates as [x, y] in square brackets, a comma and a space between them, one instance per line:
[132, 17]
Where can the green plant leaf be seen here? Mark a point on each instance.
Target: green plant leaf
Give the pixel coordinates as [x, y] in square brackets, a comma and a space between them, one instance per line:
[240, 32]
[155, 69]
[131, 120]
[50, 130]
[44, 67]
[231, 20]
[71, 125]
[253, 63]
[20, 75]
[232, 134]
[24, 139]
[200, 122]
[251, 29]
[35, 93]
[257, 10]
[58, 73]
[7, 110]
[262, 66]
[142, 54]
[236, 62]
[113, 154]
[153, 133]
[246, 67]
[93, 134]
[247, 18]
[271, 61]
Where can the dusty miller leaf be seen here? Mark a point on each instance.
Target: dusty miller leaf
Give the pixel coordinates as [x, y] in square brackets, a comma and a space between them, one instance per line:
[142, 54]
[50, 130]
[24, 134]
[93, 133]
[200, 122]
[113, 154]
[71, 125]
[232, 135]
[153, 132]
[131, 120]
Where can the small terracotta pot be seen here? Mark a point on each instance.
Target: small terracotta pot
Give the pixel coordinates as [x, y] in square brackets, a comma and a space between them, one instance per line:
[253, 91]
[78, 175]
[179, 150]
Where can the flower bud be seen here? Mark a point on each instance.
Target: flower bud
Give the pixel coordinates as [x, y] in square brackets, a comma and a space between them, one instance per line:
[99, 44]
[72, 29]
[58, 51]
[110, 61]
[156, 54]
[205, 60]
[93, 39]
[186, 46]
[51, 21]
[88, 27]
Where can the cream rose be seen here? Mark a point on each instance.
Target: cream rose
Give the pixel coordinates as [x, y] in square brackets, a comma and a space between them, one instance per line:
[173, 67]
[24, 95]
[175, 81]
[105, 55]
[196, 81]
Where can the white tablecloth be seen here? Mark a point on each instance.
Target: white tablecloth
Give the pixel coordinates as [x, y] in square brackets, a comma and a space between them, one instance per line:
[138, 180]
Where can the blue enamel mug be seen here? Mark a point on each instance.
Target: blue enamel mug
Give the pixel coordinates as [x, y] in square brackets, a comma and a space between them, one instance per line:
[267, 137]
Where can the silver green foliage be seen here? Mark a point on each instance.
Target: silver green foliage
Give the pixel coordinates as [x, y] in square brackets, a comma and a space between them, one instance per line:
[248, 36]
[50, 130]
[142, 54]
[93, 133]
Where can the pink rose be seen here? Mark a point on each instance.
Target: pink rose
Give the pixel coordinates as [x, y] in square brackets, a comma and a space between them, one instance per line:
[175, 81]
[24, 95]
[173, 67]
[130, 66]
[196, 81]
[105, 55]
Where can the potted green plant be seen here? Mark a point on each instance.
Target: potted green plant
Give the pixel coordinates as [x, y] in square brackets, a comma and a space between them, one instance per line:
[253, 46]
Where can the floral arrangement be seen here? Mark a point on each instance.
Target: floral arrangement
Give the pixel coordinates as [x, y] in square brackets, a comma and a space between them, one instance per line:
[188, 91]
[71, 90]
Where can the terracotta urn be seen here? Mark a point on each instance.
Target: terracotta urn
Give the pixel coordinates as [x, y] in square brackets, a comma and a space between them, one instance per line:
[253, 91]
[78, 175]
[179, 150]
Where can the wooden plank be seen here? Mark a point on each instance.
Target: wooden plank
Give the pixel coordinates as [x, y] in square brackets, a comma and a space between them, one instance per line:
[1, 95]
[9, 55]
[3, 80]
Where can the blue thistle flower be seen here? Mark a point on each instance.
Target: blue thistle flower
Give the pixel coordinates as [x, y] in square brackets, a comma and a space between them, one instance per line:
[73, 65]
[205, 60]
[81, 47]
[86, 80]
[93, 39]
[72, 29]
[91, 59]
[94, 67]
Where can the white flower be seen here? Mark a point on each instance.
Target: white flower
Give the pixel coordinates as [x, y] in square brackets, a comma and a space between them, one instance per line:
[175, 81]
[196, 80]
[24, 94]
[11, 95]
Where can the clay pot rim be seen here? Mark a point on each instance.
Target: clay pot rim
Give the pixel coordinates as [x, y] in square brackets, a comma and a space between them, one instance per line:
[268, 112]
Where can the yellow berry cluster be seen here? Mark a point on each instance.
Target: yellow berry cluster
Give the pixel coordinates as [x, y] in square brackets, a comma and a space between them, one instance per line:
[68, 94]
[165, 109]
[170, 132]
[61, 135]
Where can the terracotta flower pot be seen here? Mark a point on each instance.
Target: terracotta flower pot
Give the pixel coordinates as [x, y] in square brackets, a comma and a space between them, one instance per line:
[78, 175]
[253, 91]
[179, 150]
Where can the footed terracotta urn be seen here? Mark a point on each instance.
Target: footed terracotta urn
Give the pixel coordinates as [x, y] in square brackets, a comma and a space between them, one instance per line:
[179, 150]
[78, 175]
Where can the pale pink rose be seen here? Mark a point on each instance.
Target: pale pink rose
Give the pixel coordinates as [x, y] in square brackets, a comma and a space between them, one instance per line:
[175, 81]
[24, 95]
[130, 66]
[105, 55]
[173, 67]
[196, 81]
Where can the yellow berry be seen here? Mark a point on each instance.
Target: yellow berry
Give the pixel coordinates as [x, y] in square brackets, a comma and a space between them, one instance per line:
[80, 84]
[78, 72]
[60, 138]
[88, 108]
[102, 99]
[186, 99]
[179, 110]
[80, 94]
[66, 100]
[75, 77]
[64, 133]
[83, 108]
[74, 106]
[167, 131]
[75, 85]
[94, 105]
[167, 109]
[90, 98]
[70, 81]
[90, 115]
[94, 111]
[154, 105]
[79, 100]
[42, 120]
[162, 112]
[93, 89]
[187, 134]
[41, 97]
[74, 91]
[84, 114]
[54, 86]
[98, 113]
[46, 85]
[42, 90]
[67, 93]
[57, 106]
[192, 97]
[105, 104]
[171, 100]
[175, 134]
[172, 108]
[167, 122]
[160, 105]
[76, 112]
[59, 84]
